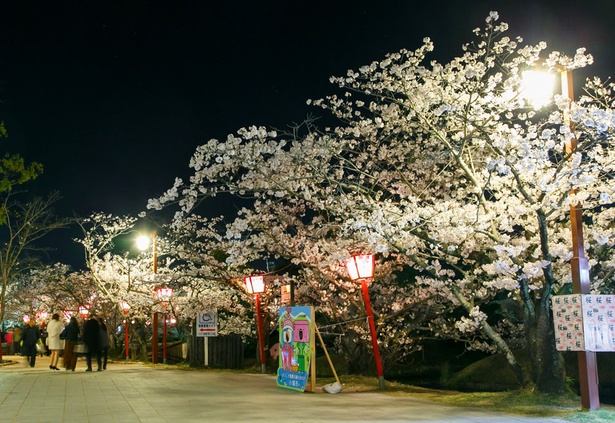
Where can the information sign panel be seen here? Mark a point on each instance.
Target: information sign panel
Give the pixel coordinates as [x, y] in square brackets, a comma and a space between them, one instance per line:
[207, 323]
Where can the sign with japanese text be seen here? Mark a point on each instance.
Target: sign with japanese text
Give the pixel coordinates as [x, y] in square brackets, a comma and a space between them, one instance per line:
[297, 343]
[584, 322]
[207, 323]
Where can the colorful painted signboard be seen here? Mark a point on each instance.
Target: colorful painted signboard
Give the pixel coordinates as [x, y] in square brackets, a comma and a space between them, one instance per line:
[296, 327]
[584, 322]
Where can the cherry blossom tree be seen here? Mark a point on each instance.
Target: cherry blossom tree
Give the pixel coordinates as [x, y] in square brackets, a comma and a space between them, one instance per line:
[22, 226]
[447, 172]
[189, 262]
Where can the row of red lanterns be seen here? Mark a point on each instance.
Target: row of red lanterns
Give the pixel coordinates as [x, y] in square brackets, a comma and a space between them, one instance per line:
[360, 268]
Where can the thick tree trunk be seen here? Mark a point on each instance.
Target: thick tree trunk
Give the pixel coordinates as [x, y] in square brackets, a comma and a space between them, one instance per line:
[496, 339]
[548, 363]
[357, 354]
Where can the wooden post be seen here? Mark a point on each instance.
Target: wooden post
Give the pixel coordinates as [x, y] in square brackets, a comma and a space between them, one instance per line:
[155, 338]
[588, 368]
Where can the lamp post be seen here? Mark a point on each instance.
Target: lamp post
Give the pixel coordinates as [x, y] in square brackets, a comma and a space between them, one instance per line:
[164, 293]
[361, 268]
[125, 308]
[588, 368]
[143, 243]
[256, 285]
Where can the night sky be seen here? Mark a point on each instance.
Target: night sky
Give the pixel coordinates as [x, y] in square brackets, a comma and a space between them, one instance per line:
[114, 96]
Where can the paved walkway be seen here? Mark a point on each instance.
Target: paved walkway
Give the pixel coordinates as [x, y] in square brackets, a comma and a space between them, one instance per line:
[135, 393]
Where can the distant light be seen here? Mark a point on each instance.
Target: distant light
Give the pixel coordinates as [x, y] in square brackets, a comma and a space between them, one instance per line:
[164, 293]
[83, 310]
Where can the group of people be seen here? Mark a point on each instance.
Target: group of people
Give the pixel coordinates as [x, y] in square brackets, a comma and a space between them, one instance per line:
[64, 339]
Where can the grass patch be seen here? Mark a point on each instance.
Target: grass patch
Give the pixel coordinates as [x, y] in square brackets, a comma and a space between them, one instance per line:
[519, 402]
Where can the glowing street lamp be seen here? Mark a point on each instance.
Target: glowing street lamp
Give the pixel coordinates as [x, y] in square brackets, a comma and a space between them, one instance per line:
[126, 309]
[164, 294]
[588, 367]
[256, 285]
[537, 87]
[361, 268]
[144, 242]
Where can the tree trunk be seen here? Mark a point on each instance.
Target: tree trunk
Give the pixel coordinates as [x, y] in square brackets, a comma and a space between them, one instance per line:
[495, 337]
[357, 354]
[548, 363]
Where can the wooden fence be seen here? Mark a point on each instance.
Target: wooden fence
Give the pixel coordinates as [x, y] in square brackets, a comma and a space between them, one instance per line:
[224, 352]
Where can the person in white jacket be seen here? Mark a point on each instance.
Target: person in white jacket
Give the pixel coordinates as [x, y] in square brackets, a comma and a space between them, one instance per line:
[55, 344]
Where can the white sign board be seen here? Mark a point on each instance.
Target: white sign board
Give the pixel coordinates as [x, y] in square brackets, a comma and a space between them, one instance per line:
[207, 323]
[584, 322]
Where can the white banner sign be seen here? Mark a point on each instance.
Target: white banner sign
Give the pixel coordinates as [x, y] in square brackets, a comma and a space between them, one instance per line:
[207, 323]
[584, 322]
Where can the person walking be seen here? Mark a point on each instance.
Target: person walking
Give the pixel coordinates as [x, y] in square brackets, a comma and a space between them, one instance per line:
[16, 340]
[55, 344]
[91, 338]
[103, 344]
[30, 336]
[71, 336]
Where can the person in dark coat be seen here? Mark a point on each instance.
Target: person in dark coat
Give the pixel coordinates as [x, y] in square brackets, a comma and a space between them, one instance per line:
[70, 334]
[103, 344]
[91, 338]
[30, 336]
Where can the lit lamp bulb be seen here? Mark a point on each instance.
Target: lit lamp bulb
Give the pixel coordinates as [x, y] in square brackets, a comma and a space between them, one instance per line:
[537, 87]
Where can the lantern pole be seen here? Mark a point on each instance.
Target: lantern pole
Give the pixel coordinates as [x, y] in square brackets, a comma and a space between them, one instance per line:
[125, 307]
[361, 273]
[126, 341]
[372, 331]
[259, 324]
[255, 285]
[164, 293]
[164, 337]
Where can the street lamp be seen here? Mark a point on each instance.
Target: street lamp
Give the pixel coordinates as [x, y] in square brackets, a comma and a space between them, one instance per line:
[143, 243]
[361, 268]
[588, 367]
[126, 309]
[164, 294]
[256, 285]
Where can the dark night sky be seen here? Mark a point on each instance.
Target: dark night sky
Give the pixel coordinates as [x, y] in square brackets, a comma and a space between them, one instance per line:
[114, 96]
